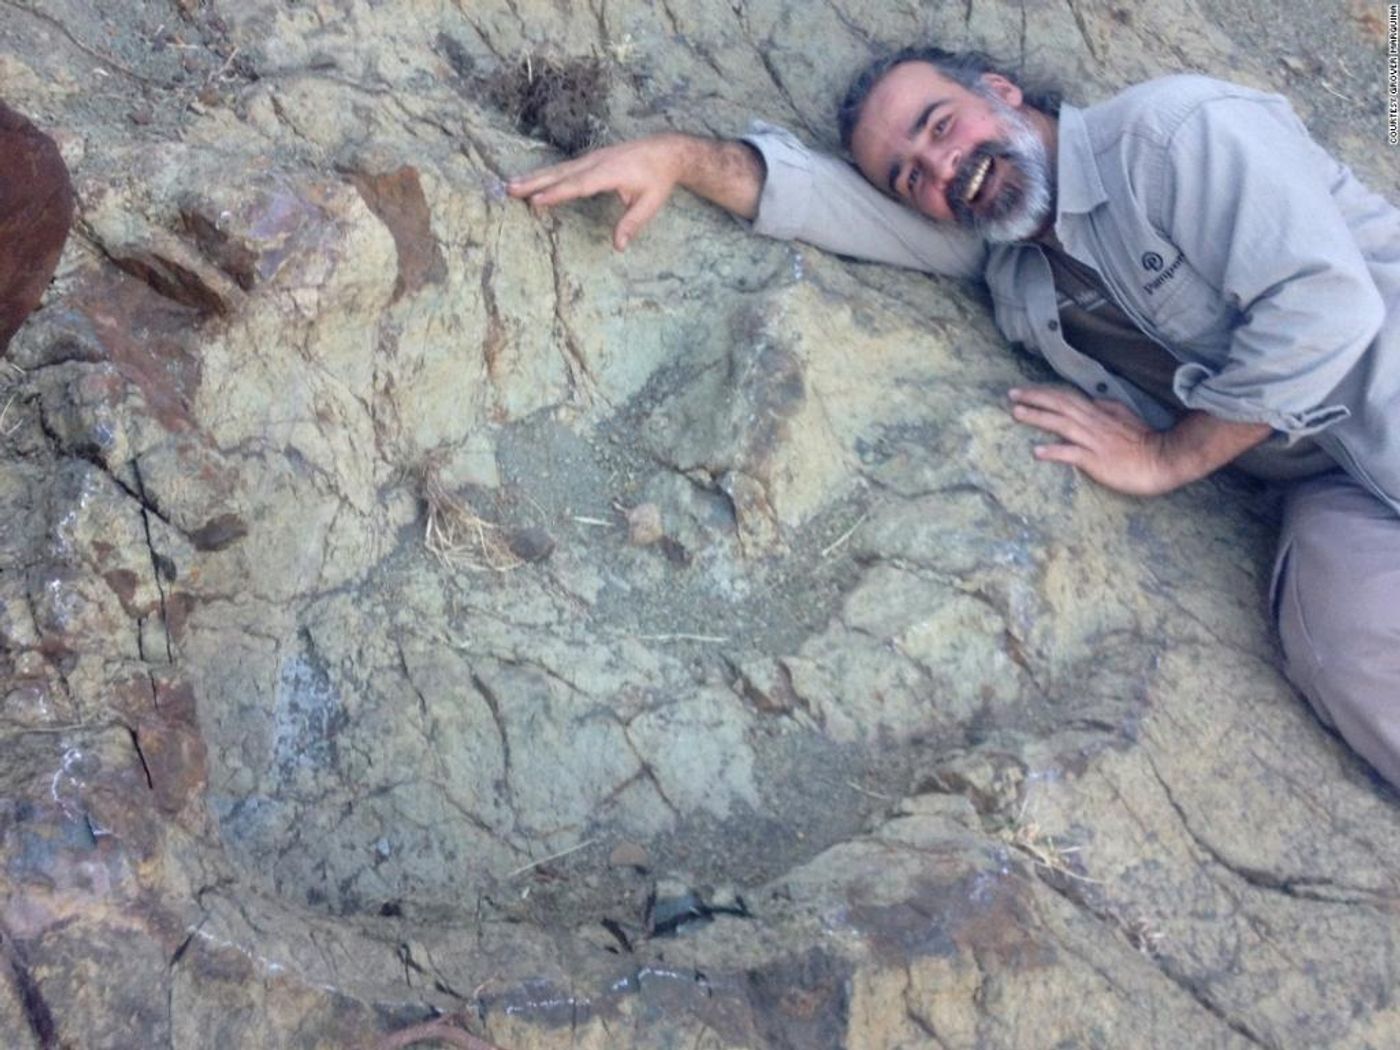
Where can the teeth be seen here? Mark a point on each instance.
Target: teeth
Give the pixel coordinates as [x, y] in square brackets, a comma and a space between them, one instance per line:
[977, 177]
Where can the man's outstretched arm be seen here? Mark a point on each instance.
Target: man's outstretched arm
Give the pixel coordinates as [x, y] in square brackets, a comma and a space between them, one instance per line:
[789, 191]
[644, 172]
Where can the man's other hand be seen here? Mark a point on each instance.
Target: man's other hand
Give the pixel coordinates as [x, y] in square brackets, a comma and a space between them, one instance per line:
[644, 172]
[1104, 439]
[1111, 443]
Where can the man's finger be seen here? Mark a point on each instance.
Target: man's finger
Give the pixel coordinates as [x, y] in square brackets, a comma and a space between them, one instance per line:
[558, 193]
[1056, 423]
[1054, 398]
[534, 181]
[524, 185]
[639, 212]
[585, 182]
[1072, 455]
[1058, 397]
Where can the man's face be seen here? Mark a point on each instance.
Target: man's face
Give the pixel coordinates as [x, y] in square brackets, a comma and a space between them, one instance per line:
[969, 157]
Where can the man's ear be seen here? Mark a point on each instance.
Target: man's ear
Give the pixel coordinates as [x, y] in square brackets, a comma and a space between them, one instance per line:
[1003, 89]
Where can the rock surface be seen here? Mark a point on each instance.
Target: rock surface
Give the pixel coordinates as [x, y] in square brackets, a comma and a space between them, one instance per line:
[339, 689]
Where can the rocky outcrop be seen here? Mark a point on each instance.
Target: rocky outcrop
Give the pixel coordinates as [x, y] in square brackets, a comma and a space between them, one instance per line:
[410, 606]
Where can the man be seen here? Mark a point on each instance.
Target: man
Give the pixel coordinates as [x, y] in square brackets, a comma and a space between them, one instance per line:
[1221, 289]
[36, 208]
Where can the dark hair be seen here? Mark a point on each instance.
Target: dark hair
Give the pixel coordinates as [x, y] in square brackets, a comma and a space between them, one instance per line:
[962, 67]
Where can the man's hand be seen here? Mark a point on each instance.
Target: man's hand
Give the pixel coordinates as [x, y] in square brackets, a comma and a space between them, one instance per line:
[644, 172]
[1104, 439]
[1110, 443]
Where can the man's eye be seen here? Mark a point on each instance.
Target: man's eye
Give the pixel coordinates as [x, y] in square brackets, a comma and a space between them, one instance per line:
[940, 127]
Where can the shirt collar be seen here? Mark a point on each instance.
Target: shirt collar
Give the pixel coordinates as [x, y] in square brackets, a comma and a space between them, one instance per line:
[1078, 188]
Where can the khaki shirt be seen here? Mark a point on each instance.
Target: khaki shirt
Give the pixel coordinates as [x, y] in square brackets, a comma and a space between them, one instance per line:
[1223, 231]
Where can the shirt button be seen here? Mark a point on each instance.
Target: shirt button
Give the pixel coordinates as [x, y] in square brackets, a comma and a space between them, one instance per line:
[1101, 388]
[1054, 326]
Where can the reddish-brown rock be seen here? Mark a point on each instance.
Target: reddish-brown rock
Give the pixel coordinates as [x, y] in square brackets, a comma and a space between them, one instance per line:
[397, 199]
[36, 208]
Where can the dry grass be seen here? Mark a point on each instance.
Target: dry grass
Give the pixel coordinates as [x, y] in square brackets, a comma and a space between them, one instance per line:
[455, 534]
[1026, 836]
[563, 100]
[18, 374]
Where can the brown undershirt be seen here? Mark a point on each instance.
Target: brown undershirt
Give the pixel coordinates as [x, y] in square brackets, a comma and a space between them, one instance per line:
[1096, 326]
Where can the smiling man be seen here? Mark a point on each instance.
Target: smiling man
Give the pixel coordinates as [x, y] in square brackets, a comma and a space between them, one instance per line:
[977, 158]
[1215, 285]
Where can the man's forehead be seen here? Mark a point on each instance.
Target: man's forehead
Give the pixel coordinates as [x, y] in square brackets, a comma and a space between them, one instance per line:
[899, 98]
[895, 105]
[909, 84]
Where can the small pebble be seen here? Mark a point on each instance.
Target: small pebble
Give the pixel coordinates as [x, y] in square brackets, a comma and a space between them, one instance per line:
[532, 544]
[644, 524]
[629, 855]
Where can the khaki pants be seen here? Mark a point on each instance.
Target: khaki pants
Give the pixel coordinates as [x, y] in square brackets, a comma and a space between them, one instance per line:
[1336, 598]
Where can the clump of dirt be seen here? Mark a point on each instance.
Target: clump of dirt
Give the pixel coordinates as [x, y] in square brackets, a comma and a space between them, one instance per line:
[564, 101]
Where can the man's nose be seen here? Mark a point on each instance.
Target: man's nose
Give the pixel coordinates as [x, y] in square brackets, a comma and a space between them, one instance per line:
[951, 161]
[944, 164]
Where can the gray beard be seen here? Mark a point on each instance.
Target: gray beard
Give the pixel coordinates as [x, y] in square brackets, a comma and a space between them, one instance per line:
[1022, 210]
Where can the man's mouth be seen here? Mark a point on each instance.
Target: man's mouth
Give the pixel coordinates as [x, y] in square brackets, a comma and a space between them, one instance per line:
[979, 177]
[1003, 190]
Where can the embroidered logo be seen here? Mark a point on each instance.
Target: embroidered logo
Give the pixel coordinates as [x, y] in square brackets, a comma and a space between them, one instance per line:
[1153, 263]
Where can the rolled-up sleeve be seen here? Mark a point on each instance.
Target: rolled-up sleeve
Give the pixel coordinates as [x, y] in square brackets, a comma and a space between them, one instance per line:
[1245, 195]
[822, 201]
